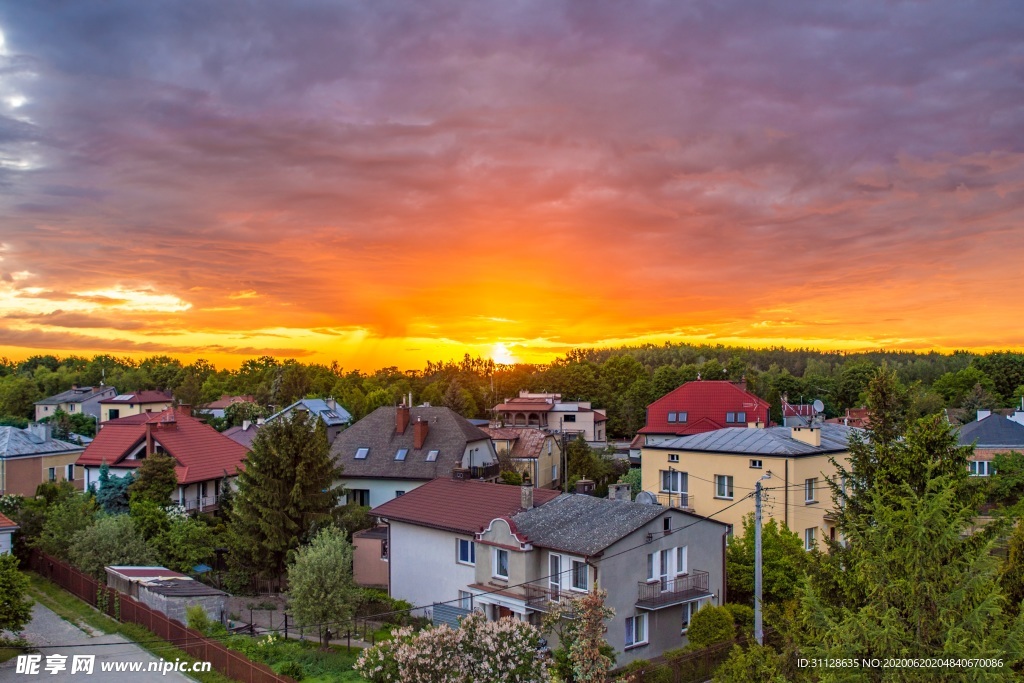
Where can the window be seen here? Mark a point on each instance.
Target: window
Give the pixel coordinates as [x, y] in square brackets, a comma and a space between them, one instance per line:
[682, 417]
[810, 538]
[741, 417]
[465, 600]
[650, 566]
[689, 609]
[723, 486]
[467, 551]
[500, 564]
[568, 418]
[979, 468]
[432, 456]
[550, 441]
[673, 457]
[756, 464]
[636, 630]
[730, 417]
[399, 494]
[361, 453]
[554, 473]
[53, 474]
[681, 557]
[359, 497]
[674, 482]
[402, 452]
[671, 417]
[71, 407]
[666, 524]
[113, 413]
[580, 580]
[384, 549]
[809, 486]
[69, 472]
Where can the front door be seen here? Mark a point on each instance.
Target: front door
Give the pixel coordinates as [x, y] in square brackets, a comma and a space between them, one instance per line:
[504, 612]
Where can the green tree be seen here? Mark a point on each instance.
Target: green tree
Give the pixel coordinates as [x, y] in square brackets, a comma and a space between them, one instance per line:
[580, 618]
[955, 387]
[320, 588]
[757, 663]
[112, 491]
[237, 413]
[110, 541]
[65, 519]
[17, 395]
[155, 479]
[150, 518]
[711, 625]
[15, 608]
[784, 562]
[187, 542]
[1011, 576]
[286, 490]
[633, 478]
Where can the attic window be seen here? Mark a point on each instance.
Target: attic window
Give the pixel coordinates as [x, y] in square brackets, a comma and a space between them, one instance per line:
[682, 417]
[402, 452]
[432, 456]
[361, 453]
[672, 417]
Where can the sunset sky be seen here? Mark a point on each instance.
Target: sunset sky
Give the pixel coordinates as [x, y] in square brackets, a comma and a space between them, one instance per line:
[386, 182]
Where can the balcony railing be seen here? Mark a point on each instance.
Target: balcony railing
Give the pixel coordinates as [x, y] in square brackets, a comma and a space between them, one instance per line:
[485, 471]
[201, 504]
[676, 500]
[665, 592]
[542, 596]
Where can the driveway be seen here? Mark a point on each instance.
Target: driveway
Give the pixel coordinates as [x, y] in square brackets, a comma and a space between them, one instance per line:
[47, 631]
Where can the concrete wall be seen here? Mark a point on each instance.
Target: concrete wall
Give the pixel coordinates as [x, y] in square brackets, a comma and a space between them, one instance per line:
[174, 607]
[368, 568]
[126, 409]
[423, 566]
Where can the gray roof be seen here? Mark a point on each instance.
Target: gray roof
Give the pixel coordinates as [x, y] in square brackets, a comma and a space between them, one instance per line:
[15, 442]
[181, 588]
[583, 525]
[769, 441]
[994, 431]
[449, 433]
[242, 436]
[74, 395]
[332, 417]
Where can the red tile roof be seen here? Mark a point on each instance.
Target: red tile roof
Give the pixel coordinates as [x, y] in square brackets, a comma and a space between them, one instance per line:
[202, 453]
[7, 522]
[459, 506]
[225, 401]
[141, 397]
[705, 402]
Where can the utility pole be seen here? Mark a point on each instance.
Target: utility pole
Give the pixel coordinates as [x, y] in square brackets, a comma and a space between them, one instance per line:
[758, 626]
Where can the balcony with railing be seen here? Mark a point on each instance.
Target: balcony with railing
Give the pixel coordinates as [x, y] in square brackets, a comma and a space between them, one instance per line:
[667, 592]
[203, 504]
[485, 471]
[542, 596]
[683, 501]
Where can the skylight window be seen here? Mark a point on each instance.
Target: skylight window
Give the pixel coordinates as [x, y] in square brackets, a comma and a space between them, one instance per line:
[432, 456]
[361, 453]
[402, 452]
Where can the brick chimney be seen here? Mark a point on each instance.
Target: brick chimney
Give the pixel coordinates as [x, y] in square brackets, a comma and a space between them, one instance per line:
[526, 496]
[420, 429]
[402, 419]
[585, 486]
[461, 474]
[620, 492]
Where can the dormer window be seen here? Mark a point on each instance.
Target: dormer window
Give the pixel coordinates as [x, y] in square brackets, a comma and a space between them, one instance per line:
[432, 456]
[361, 453]
[402, 452]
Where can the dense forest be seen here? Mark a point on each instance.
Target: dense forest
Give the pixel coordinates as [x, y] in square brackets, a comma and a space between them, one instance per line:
[621, 380]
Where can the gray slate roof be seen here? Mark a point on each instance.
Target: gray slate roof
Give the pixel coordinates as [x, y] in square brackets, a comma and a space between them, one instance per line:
[181, 588]
[449, 433]
[994, 431]
[769, 441]
[583, 525]
[15, 442]
[73, 396]
[332, 417]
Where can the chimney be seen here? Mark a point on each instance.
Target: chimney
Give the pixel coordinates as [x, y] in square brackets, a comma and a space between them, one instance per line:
[742, 384]
[460, 474]
[402, 419]
[982, 414]
[808, 435]
[184, 409]
[39, 432]
[526, 496]
[419, 435]
[74, 387]
[620, 492]
[149, 439]
[246, 424]
[585, 486]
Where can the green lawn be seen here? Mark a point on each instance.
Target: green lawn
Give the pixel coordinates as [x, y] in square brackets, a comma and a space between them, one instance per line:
[318, 665]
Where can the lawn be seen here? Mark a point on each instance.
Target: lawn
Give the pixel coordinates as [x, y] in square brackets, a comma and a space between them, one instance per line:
[317, 665]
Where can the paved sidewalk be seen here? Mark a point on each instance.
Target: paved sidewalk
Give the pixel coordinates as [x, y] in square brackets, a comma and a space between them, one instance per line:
[48, 629]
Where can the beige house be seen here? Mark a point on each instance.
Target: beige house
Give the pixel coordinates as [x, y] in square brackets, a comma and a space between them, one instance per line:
[534, 451]
[549, 411]
[708, 472]
[126, 405]
[85, 400]
[31, 456]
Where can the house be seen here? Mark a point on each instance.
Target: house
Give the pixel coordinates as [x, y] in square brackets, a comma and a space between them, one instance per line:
[31, 456]
[990, 434]
[168, 592]
[658, 565]
[334, 417]
[712, 473]
[393, 450]
[204, 456]
[244, 433]
[854, 417]
[84, 400]
[124, 405]
[217, 408]
[535, 451]
[7, 529]
[703, 406]
[549, 411]
[797, 414]
[370, 559]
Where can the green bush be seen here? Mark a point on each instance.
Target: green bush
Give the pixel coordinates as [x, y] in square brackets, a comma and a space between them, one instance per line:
[293, 669]
[197, 619]
[742, 616]
[711, 625]
[651, 673]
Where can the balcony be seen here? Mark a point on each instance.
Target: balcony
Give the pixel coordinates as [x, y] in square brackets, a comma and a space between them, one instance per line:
[542, 596]
[668, 592]
[204, 504]
[683, 501]
[485, 471]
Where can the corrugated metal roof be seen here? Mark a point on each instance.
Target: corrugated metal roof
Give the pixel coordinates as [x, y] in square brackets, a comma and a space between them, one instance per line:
[769, 441]
[15, 442]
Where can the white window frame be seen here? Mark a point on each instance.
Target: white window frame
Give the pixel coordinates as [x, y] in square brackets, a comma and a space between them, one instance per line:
[672, 417]
[979, 468]
[676, 482]
[573, 565]
[756, 464]
[465, 600]
[673, 457]
[495, 564]
[810, 538]
[362, 453]
[69, 472]
[810, 485]
[682, 560]
[461, 543]
[689, 609]
[682, 417]
[651, 567]
[726, 492]
[636, 625]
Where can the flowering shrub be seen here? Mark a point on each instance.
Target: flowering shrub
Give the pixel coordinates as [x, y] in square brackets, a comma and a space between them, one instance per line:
[480, 651]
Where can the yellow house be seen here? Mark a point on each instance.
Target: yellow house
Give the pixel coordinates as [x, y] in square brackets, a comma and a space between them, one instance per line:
[709, 472]
[533, 450]
[124, 405]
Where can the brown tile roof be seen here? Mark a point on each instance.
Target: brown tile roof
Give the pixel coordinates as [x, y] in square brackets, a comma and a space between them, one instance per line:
[225, 401]
[459, 506]
[528, 442]
[7, 523]
[202, 453]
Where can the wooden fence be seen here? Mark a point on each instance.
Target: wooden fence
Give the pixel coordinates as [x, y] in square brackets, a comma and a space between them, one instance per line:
[690, 667]
[232, 664]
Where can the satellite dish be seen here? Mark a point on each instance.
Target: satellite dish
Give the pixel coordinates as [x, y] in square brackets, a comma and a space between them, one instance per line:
[818, 406]
[647, 498]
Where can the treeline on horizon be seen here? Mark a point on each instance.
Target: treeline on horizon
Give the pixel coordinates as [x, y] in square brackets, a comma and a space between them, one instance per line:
[622, 380]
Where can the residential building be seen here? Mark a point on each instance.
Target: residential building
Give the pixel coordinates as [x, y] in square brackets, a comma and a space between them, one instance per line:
[370, 560]
[125, 405]
[534, 451]
[244, 433]
[31, 456]
[549, 411]
[448, 543]
[84, 400]
[217, 408]
[205, 458]
[393, 450]
[7, 529]
[990, 434]
[703, 406]
[712, 473]
[334, 417]
[854, 417]
[797, 414]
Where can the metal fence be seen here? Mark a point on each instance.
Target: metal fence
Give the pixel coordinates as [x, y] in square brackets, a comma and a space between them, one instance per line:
[690, 667]
[232, 664]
